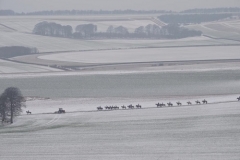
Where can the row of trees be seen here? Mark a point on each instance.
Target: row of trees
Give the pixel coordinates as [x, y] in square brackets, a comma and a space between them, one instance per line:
[90, 31]
[84, 12]
[13, 51]
[213, 10]
[96, 12]
[52, 29]
[128, 11]
[11, 103]
[192, 18]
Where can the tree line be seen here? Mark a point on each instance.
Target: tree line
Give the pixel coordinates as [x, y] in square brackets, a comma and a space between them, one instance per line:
[96, 12]
[89, 31]
[11, 103]
[213, 10]
[192, 18]
[128, 11]
[13, 51]
[84, 12]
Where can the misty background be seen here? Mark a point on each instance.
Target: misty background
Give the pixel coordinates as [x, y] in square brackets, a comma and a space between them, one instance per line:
[174, 5]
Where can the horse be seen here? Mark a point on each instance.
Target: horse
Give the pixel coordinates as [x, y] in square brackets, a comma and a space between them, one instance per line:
[198, 102]
[179, 104]
[28, 112]
[99, 108]
[124, 107]
[130, 106]
[170, 104]
[138, 106]
[204, 101]
[238, 98]
[162, 105]
[189, 103]
[158, 105]
[115, 107]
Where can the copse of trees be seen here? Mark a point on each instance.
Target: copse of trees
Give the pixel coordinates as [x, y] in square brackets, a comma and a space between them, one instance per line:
[192, 18]
[11, 103]
[13, 51]
[52, 29]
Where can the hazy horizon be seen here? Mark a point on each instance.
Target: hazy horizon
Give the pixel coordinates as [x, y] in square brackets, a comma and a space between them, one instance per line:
[174, 5]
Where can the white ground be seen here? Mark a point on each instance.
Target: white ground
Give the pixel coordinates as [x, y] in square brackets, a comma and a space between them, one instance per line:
[187, 132]
[20, 34]
[148, 55]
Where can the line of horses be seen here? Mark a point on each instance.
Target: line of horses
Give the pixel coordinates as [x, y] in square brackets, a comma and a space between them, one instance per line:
[179, 103]
[116, 107]
[158, 105]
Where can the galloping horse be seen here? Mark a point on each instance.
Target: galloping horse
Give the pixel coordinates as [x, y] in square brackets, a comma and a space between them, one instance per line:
[179, 103]
[115, 107]
[170, 104]
[130, 106]
[198, 102]
[238, 98]
[99, 108]
[158, 105]
[162, 105]
[204, 101]
[28, 112]
[138, 106]
[124, 107]
[189, 103]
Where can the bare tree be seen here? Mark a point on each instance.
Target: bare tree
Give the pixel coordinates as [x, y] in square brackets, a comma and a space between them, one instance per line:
[14, 101]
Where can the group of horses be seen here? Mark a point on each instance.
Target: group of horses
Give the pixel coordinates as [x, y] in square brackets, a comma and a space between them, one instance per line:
[159, 105]
[116, 107]
[179, 103]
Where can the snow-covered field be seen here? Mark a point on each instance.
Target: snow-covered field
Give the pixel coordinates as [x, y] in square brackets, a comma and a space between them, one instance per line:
[148, 55]
[54, 44]
[188, 132]
[17, 31]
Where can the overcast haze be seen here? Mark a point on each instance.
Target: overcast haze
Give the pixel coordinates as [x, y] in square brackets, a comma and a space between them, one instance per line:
[175, 5]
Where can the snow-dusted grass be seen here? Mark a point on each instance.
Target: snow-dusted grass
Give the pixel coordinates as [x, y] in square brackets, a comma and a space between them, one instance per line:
[148, 55]
[188, 132]
[11, 67]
